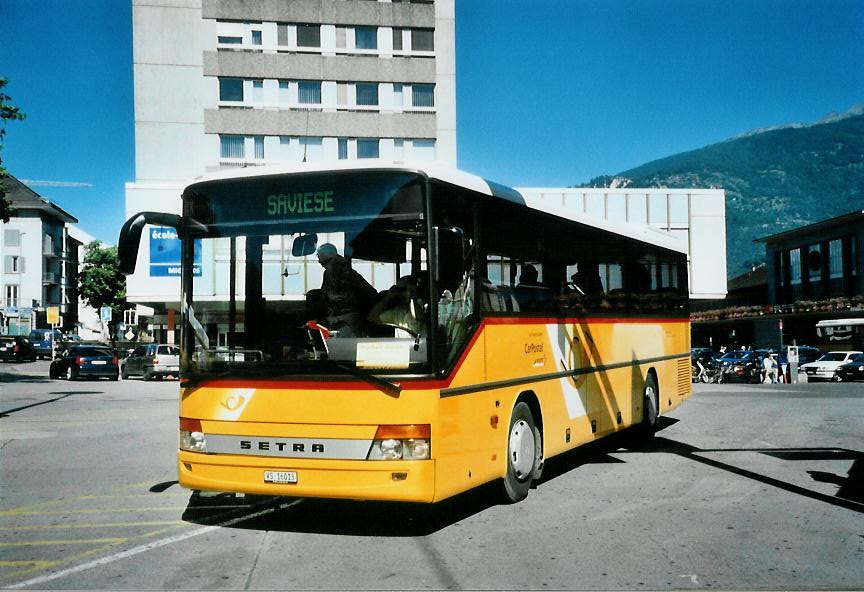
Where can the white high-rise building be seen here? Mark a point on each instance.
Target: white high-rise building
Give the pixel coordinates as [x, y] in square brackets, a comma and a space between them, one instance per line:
[222, 83]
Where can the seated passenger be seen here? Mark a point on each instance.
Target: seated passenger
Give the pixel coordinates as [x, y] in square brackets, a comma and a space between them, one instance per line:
[586, 281]
[400, 307]
[529, 293]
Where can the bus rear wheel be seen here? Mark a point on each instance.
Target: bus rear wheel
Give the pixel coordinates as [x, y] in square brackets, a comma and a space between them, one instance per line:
[650, 407]
[524, 454]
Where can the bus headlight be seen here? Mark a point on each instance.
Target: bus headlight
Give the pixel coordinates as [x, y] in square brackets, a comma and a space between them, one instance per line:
[192, 436]
[408, 442]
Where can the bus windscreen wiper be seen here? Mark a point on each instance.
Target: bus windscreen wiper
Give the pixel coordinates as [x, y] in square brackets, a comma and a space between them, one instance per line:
[391, 388]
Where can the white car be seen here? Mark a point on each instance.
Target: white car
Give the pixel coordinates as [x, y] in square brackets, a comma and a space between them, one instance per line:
[825, 367]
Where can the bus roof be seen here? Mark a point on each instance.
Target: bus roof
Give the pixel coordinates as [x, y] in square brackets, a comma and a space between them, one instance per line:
[440, 171]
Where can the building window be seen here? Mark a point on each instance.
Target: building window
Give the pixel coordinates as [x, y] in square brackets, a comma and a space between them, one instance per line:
[367, 148]
[13, 264]
[284, 92]
[11, 295]
[397, 95]
[367, 93]
[835, 259]
[259, 147]
[231, 147]
[423, 95]
[256, 38]
[308, 35]
[229, 40]
[258, 91]
[343, 148]
[341, 42]
[397, 39]
[365, 38]
[230, 89]
[422, 40]
[310, 93]
[281, 34]
[12, 237]
[795, 266]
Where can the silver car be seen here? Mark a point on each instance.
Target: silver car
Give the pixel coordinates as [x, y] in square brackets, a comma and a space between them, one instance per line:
[152, 361]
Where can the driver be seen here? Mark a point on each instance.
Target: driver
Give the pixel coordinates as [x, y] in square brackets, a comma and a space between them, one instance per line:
[346, 294]
[400, 307]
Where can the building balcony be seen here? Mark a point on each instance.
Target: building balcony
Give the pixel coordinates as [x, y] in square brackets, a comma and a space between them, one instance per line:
[50, 277]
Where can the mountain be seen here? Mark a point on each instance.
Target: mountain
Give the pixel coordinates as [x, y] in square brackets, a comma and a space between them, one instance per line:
[775, 179]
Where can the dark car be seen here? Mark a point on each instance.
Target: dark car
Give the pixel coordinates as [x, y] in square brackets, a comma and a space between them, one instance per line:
[85, 361]
[851, 370]
[742, 366]
[16, 348]
[152, 361]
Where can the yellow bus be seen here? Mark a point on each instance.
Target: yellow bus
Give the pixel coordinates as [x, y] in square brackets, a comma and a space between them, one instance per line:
[408, 332]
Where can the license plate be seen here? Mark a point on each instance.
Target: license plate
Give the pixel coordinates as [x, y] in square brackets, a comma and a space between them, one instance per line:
[98, 362]
[280, 477]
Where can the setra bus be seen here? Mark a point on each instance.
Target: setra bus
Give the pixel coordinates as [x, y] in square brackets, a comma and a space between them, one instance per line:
[498, 332]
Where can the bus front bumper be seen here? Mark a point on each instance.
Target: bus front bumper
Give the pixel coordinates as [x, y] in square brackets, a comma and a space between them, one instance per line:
[409, 481]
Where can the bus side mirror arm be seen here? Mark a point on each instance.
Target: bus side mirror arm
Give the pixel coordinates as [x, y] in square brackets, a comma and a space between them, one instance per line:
[130, 235]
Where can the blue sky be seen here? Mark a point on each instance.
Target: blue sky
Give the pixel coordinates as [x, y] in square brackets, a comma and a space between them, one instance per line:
[549, 92]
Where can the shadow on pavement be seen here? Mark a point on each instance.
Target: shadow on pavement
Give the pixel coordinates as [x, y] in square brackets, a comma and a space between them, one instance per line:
[344, 517]
[10, 378]
[849, 495]
[63, 395]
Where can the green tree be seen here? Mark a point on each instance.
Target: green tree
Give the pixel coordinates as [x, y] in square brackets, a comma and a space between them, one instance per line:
[100, 282]
[8, 112]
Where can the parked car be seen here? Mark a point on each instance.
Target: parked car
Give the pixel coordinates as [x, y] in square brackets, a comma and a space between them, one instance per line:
[85, 361]
[152, 361]
[42, 341]
[742, 366]
[16, 348]
[824, 367]
[851, 370]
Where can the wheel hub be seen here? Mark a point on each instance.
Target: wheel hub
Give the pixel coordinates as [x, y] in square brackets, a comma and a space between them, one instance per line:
[522, 449]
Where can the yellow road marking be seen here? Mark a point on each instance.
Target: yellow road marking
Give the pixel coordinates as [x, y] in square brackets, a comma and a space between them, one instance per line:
[67, 559]
[108, 540]
[99, 511]
[94, 525]
[39, 564]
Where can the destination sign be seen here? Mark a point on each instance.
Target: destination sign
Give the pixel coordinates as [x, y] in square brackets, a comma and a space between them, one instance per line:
[309, 202]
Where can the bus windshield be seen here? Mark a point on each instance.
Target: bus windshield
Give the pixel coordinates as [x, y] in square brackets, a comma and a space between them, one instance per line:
[307, 274]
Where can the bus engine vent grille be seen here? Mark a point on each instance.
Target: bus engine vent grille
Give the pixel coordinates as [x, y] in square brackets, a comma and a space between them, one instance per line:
[683, 376]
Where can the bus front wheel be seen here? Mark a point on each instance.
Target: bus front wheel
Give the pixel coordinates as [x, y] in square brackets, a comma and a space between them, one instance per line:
[524, 455]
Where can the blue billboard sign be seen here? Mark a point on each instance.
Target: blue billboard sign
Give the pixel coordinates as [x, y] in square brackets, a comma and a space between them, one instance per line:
[165, 253]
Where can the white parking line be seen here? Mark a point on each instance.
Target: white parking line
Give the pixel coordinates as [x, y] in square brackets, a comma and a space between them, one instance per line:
[144, 548]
